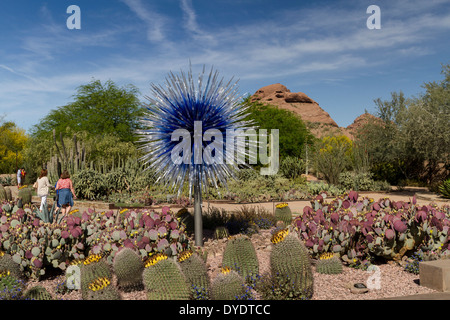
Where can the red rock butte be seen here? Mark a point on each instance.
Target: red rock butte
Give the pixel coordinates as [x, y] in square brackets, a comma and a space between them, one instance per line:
[317, 119]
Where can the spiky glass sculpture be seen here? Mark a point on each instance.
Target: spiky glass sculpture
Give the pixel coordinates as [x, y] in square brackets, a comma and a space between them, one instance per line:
[186, 135]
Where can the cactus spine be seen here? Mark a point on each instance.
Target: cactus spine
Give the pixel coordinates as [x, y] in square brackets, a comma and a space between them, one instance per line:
[195, 271]
[164, 280]
[240, 255]
[328, 263]
[92, 268]
[290, 265]
[283, 213]
[128, 268]
[228, 285]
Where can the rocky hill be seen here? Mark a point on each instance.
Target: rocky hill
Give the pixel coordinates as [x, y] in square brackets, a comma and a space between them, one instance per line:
[318, 120]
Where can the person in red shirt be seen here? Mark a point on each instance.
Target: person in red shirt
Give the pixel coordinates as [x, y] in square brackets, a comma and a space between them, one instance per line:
[66, 192]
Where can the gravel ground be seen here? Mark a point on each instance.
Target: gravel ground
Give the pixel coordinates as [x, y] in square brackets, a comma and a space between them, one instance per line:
[394, 281]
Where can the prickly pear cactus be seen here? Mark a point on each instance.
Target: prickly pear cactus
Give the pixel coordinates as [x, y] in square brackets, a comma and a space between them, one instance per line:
[283, 213]
[290, 264]
[164, 279]
[228, 285]
[128, 268]
[328, 263]
[195, 271]
[240, 255]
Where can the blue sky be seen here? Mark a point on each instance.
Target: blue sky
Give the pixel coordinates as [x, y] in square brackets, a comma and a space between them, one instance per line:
[321, 48]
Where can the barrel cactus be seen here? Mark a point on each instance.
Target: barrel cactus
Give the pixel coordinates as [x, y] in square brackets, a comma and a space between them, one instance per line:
[92, 268]
[38, 293]
[228, 285]
[283, 213]
[7, 264]
[25, 195]
[290, 266]
[329, 263]
[163, 279]
[240, 255]
[128, 268]
[196, 273]
[101, 289]
[221, 232]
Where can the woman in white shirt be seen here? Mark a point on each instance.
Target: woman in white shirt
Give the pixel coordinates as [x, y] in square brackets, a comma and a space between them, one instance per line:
[42, 187]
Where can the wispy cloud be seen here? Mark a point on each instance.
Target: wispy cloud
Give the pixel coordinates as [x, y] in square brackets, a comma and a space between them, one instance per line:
[190, 22]
[154, 21]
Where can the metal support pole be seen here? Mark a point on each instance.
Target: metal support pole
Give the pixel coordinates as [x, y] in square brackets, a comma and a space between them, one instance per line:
[198, 222]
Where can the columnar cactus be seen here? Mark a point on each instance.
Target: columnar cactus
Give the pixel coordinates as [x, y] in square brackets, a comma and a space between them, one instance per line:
[290, 265]
[128, 268]
[328, 263]
[228, 285]
[221, 232]
[240, 255]
[164, 279]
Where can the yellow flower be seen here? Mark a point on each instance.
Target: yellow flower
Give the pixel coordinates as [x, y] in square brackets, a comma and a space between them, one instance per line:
[155, 258]
[326, 256]
[92, 258]
[99, 283]
[279, 236]
[122, 211]
[184, 255]
[74, 211]
[225, 270]
[281, 205]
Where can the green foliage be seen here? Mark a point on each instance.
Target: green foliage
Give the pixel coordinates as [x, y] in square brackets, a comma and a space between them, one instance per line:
[291, 269]
[333, 157]
[99, 109]
[444, 188]
[361, 181]
[292, 167]
[11, 288]
[316, 188]
[402, 140]
[128, 268]
[164, 280]
[240, 255]
[293, 133]
[12, 143]
[89, 184]
[227, 286]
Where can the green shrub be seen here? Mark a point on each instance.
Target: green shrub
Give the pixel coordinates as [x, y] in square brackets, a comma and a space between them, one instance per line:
[90, 184]
[444, 188]
[292, 167]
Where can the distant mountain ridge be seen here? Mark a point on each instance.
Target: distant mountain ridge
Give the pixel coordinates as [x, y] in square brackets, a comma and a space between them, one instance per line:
[317, 119]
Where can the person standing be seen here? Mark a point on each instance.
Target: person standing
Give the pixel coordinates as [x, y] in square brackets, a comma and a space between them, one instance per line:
[19, 178]
[43, 186]
[66, 192]
[23, 173]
